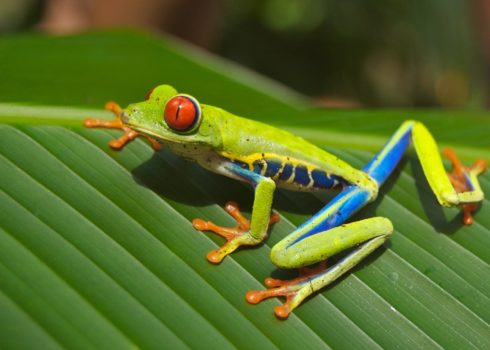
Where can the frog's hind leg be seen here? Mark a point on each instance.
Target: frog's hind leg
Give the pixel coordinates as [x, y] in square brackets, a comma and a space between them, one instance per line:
[323, 236]
[465, 179]
[373, 231]
[446, 189]
[461, 187]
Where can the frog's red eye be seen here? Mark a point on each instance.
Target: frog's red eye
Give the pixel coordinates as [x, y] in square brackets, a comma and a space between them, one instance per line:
[148, 94]
[182, 112]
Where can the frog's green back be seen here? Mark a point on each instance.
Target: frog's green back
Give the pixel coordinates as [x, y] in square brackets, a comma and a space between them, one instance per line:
[244, 137]
[249, 141]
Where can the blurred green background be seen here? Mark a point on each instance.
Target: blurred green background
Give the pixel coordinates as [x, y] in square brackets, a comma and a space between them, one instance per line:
[343, 53]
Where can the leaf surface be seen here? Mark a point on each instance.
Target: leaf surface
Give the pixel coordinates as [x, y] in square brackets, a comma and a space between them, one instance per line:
[97, 249]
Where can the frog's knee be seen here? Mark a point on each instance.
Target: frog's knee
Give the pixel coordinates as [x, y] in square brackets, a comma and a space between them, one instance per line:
[277, 255]
[280, 258]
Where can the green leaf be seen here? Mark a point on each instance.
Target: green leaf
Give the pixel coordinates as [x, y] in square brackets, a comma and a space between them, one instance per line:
[97, 248]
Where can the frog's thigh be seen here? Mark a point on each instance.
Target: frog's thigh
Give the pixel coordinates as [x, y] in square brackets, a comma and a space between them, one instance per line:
[322, 245]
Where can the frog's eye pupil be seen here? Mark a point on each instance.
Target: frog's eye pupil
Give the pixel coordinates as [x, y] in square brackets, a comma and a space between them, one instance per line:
[181, 112]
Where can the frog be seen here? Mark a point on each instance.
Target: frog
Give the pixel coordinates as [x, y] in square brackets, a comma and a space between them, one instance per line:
[266, 158]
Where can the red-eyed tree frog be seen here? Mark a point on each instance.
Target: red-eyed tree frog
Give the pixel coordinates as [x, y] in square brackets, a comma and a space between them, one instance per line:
[266, 157]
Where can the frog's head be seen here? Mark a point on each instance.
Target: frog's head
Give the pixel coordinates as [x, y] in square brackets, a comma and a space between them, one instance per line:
[175, 118]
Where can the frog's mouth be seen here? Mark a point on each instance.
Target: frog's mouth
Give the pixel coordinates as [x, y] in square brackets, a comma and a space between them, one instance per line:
[146, 131]
[127, 121]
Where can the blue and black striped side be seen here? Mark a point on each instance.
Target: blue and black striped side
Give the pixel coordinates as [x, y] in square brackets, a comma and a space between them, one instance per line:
[289, 173]
[322, 180]
[267, 167]
[286, 172]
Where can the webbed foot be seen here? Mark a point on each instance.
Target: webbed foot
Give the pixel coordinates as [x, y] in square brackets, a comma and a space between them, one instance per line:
[295, 290]
[465, 179]
[128, 135]
[235, 236]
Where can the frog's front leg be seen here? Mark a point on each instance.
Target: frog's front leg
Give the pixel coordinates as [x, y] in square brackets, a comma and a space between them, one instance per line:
[247, 232]
[117, 123]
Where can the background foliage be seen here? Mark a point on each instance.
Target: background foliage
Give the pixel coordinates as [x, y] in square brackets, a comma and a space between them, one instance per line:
[382, 53]
[344, 52]
[97, 249]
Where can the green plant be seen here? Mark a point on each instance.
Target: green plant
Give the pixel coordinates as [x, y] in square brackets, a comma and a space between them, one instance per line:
[97, 248]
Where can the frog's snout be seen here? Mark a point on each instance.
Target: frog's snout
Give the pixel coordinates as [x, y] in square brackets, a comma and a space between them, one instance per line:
[124, 117]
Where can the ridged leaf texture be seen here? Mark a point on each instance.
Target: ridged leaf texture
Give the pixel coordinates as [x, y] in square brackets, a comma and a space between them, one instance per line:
[97, 249]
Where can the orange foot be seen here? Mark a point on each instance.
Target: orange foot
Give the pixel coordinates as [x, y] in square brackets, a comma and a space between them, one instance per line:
[460, 181]
[291, 289]
[128, 135]
[235, 236]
